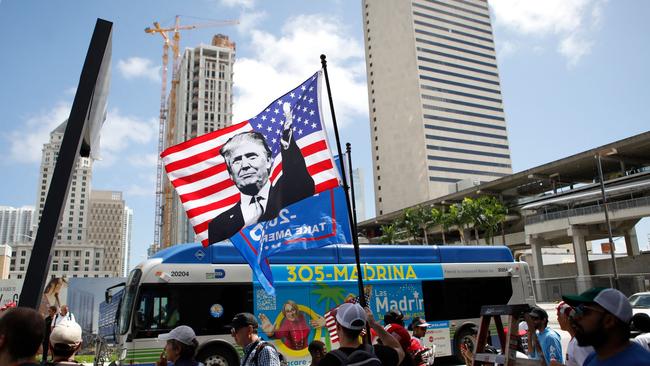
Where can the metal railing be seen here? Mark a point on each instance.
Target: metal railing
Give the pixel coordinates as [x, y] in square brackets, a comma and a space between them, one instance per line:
[598, 208]
[552, 289]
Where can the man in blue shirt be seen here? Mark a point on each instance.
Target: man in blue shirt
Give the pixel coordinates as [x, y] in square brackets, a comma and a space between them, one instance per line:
[602, 320]
[542, 340]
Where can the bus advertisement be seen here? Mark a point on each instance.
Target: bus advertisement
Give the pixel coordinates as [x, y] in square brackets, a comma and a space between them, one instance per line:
[205, 287]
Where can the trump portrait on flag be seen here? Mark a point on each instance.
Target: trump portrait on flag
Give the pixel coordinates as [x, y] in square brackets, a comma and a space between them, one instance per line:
[247, 173]
[249, 161]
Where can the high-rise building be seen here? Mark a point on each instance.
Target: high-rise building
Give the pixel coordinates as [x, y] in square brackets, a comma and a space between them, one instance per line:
[107, 229]
[203, 104]
[16, 224]
[127, 227]
[359, 194]
[88, 232]
[74, 219]
[436, 110]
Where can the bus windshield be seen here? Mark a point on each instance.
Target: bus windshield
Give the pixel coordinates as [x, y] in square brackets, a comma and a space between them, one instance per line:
[126, 308]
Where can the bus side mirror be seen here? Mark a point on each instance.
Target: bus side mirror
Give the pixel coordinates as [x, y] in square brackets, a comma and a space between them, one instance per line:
[108, 296]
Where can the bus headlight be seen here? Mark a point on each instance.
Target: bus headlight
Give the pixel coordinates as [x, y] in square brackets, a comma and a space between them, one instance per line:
[122, 354]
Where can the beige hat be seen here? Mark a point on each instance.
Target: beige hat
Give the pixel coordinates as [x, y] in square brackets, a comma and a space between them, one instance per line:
[68, 333]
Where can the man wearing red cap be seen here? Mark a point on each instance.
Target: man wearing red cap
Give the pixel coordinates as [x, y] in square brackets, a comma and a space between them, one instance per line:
[575, 355]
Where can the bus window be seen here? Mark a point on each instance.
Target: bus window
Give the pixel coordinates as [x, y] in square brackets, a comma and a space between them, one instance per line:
[462, 298]
[126, 307]
[206, 308]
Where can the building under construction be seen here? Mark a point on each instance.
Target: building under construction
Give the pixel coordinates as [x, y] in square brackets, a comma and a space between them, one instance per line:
[200, 101]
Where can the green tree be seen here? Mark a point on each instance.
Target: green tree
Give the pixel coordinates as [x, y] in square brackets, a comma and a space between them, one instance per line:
[493, 213]
[437, 219]
[415, 221]
[472, 211]
[460, 219]
[389, 234]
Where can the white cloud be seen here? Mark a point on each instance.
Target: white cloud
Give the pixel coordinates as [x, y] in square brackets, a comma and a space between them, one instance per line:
[119, 132]
[249, 19]
[26, 142]
[282, 62]
[137, 67]
[506, 49]
[144, 160]
[574, 48]
[570, 21]
[248, 4]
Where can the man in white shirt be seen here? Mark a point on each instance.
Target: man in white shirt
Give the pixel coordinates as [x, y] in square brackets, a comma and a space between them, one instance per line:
[63, 316]
[641, 322]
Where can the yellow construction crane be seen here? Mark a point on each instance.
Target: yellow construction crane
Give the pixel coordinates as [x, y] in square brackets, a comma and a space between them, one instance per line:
[171, 111]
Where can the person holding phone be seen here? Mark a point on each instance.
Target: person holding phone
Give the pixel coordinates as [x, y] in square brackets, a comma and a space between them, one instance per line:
[180, 347]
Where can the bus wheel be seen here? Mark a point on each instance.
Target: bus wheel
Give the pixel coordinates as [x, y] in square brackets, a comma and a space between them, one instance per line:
[217, 356]
[466, 335]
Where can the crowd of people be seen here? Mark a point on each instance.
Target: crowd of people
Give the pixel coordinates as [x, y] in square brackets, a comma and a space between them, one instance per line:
[24, 334]
[600, 322]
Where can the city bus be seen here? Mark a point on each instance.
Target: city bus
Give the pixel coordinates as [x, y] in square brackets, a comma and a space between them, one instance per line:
[205, 287]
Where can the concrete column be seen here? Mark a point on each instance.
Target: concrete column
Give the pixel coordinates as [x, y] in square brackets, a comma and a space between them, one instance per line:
[5, 260]
[631, 242]
[583, 281]
[538, 265]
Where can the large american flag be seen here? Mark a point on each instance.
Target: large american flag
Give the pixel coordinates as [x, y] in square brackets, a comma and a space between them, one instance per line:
[198, 172]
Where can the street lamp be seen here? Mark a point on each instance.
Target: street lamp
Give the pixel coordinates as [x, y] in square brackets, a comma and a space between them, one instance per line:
[612, 247]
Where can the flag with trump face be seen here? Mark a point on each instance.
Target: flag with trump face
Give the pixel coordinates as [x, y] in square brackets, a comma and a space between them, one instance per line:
[248, 173]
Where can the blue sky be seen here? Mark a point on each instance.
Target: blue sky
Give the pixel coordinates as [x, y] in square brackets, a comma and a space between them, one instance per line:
[573, 72]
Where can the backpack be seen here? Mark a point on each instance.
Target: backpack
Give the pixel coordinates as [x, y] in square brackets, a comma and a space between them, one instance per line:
[262, 344]
[362, 356]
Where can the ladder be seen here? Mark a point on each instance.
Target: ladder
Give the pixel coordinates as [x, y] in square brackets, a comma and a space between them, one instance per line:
[509, 344]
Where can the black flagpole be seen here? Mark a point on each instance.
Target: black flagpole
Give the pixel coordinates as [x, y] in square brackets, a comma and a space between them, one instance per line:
[348, 151]
[355, 240]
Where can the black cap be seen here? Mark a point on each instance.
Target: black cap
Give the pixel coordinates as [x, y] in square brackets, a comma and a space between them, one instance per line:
[538, 312]
[243, 320]
[394, 316]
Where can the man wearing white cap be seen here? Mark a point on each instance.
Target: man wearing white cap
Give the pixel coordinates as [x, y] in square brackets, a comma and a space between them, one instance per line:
[65, 341]
[602, 320]
[180, 347]
[351, 319]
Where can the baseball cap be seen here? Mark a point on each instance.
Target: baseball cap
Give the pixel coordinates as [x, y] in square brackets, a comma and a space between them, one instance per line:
[610, 299]
[351, 316]
[398, 332]
[68, 333]
[182, 333]
[393, 316]
[419, 322]
[564, 309]
[523, 328]
[538, 312]
[243, 320]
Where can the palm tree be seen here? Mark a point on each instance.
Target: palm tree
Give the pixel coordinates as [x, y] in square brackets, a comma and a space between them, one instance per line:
[493, 213]
[389, 234]
[472, 211]
[458, 218]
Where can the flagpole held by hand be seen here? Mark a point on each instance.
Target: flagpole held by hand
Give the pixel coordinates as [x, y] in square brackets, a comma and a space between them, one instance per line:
[355, 240]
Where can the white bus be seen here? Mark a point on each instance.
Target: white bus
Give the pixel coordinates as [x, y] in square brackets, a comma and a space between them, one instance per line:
[205, 287]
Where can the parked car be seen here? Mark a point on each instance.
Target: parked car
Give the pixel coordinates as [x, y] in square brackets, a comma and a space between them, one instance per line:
[640, 302]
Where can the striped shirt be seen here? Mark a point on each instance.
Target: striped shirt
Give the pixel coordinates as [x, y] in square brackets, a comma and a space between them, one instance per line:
[268, 355]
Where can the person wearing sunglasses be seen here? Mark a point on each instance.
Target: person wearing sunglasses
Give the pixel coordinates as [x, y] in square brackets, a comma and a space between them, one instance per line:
[602, 320]
[575, 355]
